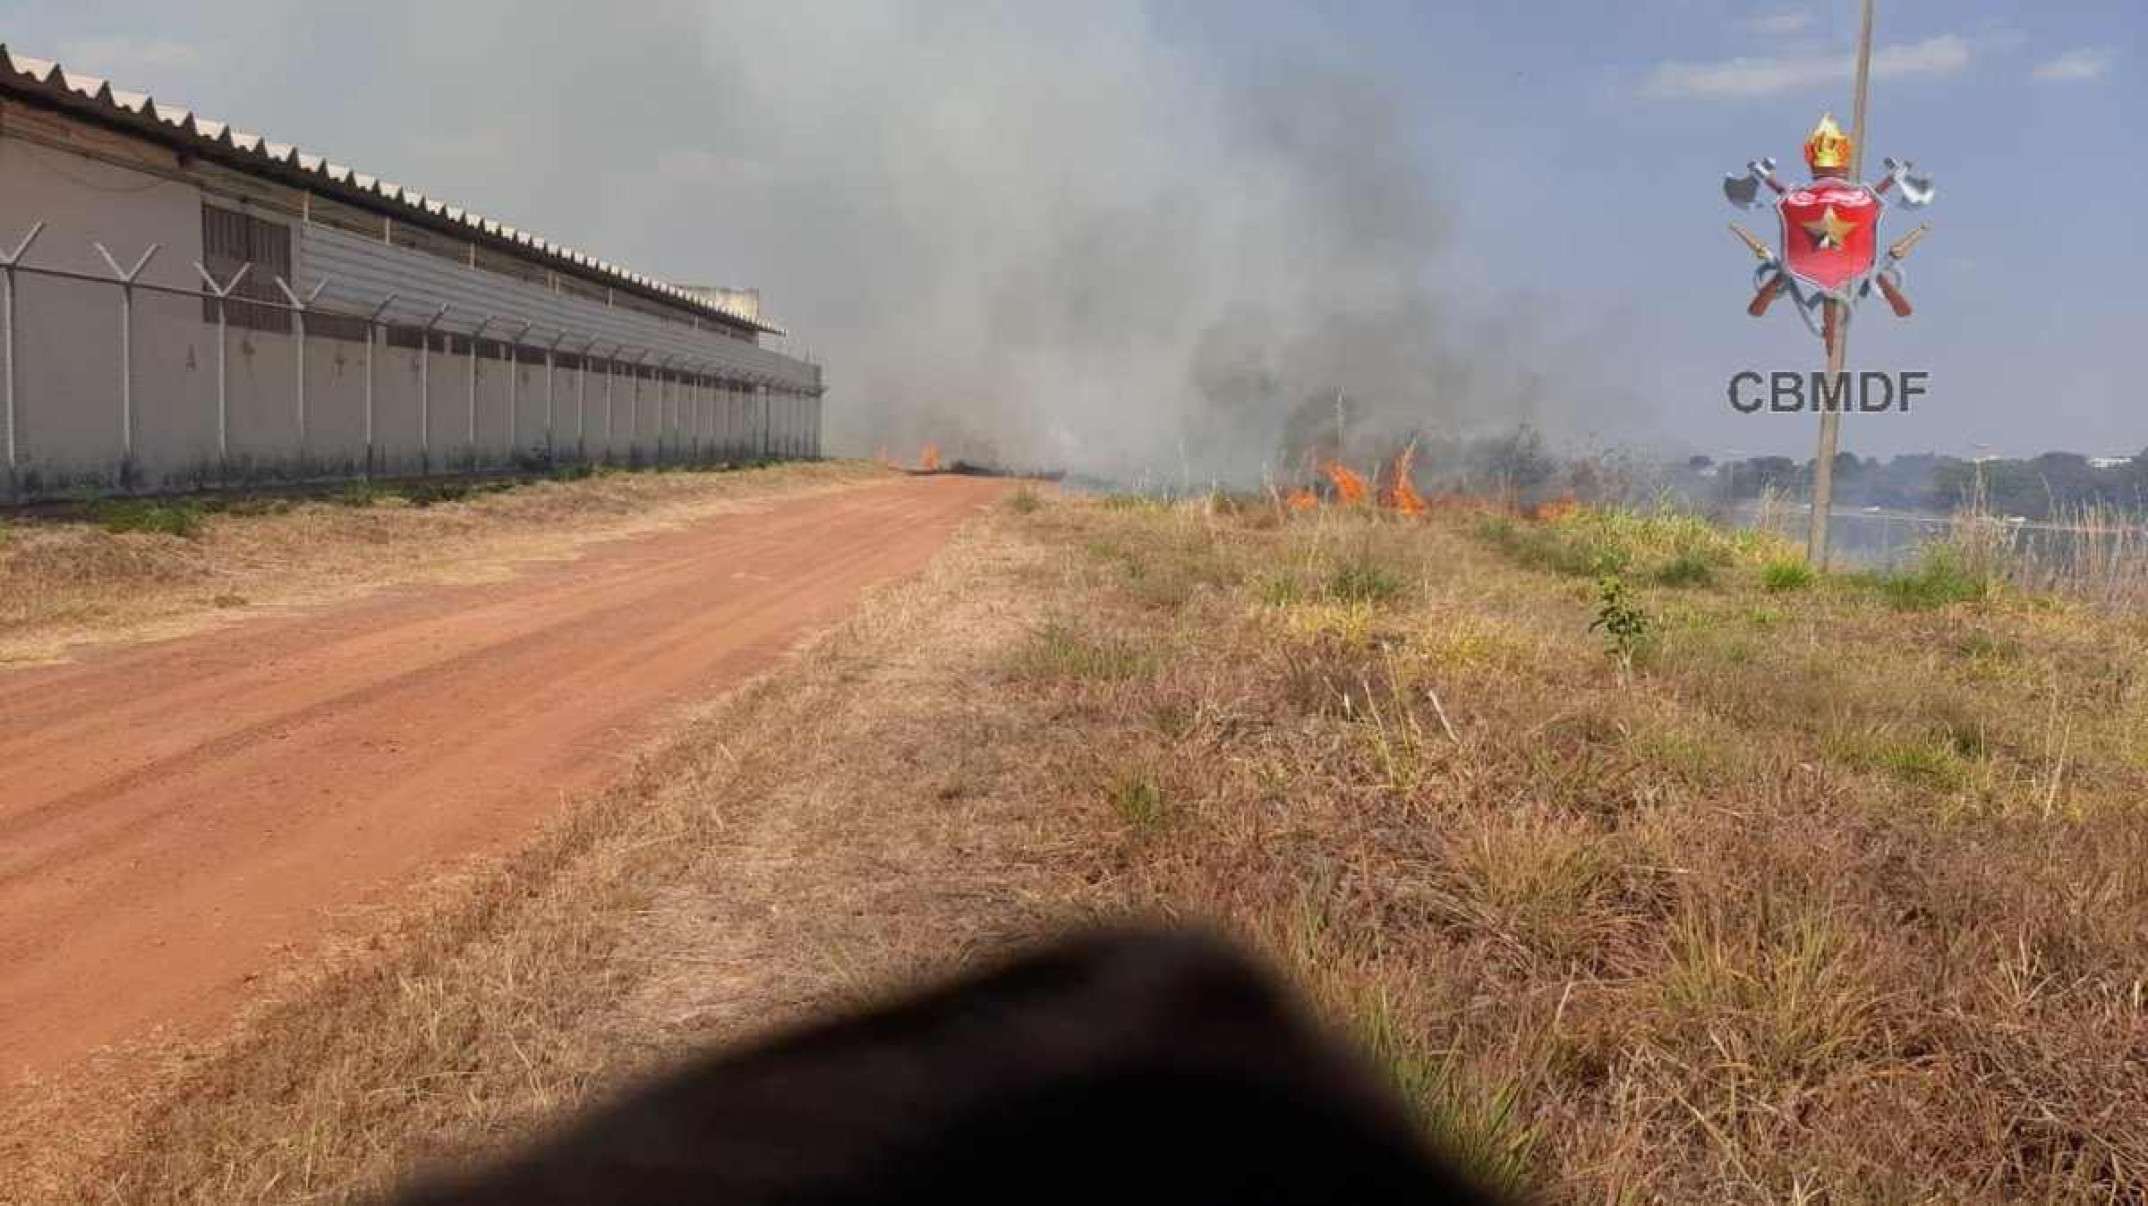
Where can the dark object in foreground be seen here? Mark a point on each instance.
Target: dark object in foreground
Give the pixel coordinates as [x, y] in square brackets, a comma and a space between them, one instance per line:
[1112, 1068]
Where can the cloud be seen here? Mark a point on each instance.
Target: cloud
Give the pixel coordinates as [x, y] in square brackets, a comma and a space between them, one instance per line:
[1945, 55]
[1781, 22]
[2087, 63]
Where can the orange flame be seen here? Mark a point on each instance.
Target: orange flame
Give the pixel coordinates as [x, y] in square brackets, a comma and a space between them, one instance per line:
[929, 459]
[1555, 508]
[1349, 487]
[1300, 499]
[1401, 493]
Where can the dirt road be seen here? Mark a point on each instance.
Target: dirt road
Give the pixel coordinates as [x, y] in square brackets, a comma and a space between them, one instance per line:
[178, 819]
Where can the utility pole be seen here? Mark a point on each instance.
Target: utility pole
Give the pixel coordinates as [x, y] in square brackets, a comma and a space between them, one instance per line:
[1837, 321]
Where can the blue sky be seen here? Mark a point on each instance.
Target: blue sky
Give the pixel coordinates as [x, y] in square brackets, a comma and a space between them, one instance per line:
[1576, 149]
[1584, 143]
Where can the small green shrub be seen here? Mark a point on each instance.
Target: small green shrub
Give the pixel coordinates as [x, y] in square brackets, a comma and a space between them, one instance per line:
[181, 519]
[1625, 626]
[1784, 574]
[1024, 501]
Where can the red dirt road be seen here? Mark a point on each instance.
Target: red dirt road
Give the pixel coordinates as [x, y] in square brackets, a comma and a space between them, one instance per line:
[178, 818]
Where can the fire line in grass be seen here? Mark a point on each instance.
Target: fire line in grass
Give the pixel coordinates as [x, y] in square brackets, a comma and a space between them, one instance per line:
[1394, 488]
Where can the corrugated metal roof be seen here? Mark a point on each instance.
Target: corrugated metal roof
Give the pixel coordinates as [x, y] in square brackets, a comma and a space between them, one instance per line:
[215, 139]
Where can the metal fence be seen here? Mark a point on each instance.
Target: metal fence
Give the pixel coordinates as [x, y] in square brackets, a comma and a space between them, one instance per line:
[113, 383]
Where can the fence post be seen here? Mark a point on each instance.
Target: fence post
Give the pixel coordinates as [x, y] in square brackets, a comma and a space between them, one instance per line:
[298, 311]
[663, 392]
[126, 356]
[701, 392]
[425, 390]
[581, 405]
[727, 421]
[8, 261]
[514, 390]
[634, 432]
[373, 327]
[471, 447]
[223, 395]
[551, 390]
[611, 370]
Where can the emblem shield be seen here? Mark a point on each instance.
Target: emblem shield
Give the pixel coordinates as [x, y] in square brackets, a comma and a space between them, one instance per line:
[1830, 233]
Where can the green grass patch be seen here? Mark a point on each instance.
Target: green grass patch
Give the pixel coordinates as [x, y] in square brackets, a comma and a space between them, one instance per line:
[1941, 576]
[1784, 574]
[1661, 545]
[1485, 1132]
[249, 505]
[1935, 761]
[1059, 649]
[1024, 501]
[1139, 801]
[182, 519]
[1686, 569]
[1363, 579]
[360, 495]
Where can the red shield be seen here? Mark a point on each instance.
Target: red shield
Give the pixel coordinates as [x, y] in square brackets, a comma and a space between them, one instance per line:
[1830, 232]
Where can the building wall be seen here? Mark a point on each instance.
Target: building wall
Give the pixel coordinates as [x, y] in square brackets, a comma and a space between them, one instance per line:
[721, 396]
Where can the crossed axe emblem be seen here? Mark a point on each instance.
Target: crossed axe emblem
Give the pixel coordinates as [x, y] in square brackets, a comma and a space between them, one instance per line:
[1913, 191]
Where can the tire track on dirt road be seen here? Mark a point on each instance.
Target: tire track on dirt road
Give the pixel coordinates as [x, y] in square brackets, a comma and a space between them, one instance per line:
[172, 816]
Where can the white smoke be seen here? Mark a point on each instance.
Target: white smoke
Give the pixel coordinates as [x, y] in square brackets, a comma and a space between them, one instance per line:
[1046, 235]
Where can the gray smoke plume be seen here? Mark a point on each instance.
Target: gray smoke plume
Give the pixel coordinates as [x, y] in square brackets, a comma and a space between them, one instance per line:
[1043, 235]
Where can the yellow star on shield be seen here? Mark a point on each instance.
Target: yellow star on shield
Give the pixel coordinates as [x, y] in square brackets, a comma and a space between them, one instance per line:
[1829, 231]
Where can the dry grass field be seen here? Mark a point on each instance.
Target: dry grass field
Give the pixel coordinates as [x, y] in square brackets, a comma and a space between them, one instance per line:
[1653, 867]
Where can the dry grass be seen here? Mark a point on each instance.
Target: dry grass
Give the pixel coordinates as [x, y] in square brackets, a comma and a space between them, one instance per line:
[1831, 858]
[1824, 899]
[135, 570]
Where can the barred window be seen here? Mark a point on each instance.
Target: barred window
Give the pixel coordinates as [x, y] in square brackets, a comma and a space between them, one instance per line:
[230, 239]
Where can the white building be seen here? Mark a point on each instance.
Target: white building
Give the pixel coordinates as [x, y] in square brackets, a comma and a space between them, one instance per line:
[431, 339]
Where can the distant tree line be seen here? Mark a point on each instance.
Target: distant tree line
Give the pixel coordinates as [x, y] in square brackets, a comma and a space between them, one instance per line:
[2038, 487]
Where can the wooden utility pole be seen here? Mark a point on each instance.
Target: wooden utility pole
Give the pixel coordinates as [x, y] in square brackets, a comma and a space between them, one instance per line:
[1836, 325]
